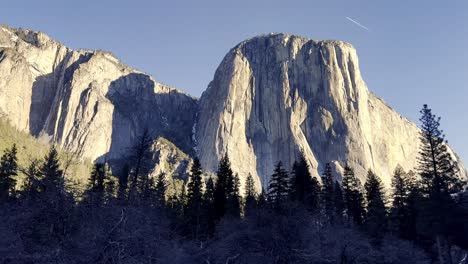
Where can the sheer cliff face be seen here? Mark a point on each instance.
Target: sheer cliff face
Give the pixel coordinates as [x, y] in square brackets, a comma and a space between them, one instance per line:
[86, 101]
[277, 94]
[271, 97]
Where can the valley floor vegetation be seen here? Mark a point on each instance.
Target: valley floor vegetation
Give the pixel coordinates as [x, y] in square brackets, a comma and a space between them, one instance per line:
[297, 219]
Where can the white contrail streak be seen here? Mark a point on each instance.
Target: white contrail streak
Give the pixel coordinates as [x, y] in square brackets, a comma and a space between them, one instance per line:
[358, 24]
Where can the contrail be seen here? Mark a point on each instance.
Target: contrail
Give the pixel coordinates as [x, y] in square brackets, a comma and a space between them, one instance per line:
[358, 24]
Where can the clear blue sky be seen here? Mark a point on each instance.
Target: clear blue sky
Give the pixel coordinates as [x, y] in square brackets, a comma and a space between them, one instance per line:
[414, 53]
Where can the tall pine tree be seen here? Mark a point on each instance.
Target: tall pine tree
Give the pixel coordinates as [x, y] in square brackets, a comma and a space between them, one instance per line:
[250, 195]
[140, 156]
[226, 199]
[303, 187]
[8, 174]
[376, 218]
[195, 199]
[402, 213]
[327, 194]
[161, 187]
[353, 197]
[278, 189]
[439, 178]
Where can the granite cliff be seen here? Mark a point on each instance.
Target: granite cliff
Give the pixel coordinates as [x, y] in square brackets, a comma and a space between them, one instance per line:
[271, 97]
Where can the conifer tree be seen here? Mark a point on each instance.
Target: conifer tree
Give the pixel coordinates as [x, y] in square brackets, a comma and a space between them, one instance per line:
[400, 210]
[55, 202]
[303, 187]
[327, 194]
[140, 156]
[52, 176]
[195, 199]
[123, 183]
[208, 207]
[439, 180]
[31, 187]
[353, 197]
[8, 174]
[338, 202]
[226, 190]
[300, 179]
[161, 187]
[233, 207]
[250, 195]
[376, 218]
[96, 188]
[278, 190]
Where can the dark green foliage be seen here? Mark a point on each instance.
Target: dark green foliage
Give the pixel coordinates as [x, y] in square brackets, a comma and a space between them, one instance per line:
[438, 214]
[403, 211]
[8, 174]
[31, 187]
[161, 187]
[140, 157]
[52, 181]
[303, 187]
[194, 211]
[376, 218]
[436, 166]
[123, 184]
[226, 195]
[328, 194]
[338, 202]
[96, 186]
[209, 208]
[250, 195]
[278, 190]
[353, 197]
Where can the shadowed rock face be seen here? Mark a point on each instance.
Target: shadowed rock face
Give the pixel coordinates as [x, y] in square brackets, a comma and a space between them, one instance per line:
[274, 95]
[86, 101]
[271, 96]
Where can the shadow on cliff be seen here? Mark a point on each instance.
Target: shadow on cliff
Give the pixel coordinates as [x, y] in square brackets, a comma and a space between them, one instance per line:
[48, 88]
[326, 144]
[138, 106]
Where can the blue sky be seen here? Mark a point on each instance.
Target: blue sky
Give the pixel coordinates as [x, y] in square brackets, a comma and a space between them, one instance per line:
[414, 53]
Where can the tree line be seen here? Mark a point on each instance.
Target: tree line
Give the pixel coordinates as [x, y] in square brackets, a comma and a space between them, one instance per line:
[132, 219]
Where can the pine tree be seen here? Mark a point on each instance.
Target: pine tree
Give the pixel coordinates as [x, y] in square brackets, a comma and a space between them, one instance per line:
[353, 197]
[31, 187]
[52, 176]
[278, 190]
[140, 156]
[303, 187]
[338, 202]
[327, 194]
[399, 212]
[161, 187]
[55, 202]
[376, 218]
[226, 191]
[149, 194]
[208, 207]
[8, 174]
[96, 188]
[195, 199]
[97, 178]
[439, 180]
[250, 195]
[123, 183]
[300, 179]
[233, 207]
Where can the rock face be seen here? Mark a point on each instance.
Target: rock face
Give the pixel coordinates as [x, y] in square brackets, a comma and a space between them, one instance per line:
[271, 97]
[277, 94]
[86, 101]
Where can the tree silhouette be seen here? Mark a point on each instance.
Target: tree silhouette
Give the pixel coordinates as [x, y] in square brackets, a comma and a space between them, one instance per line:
[8, 174]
